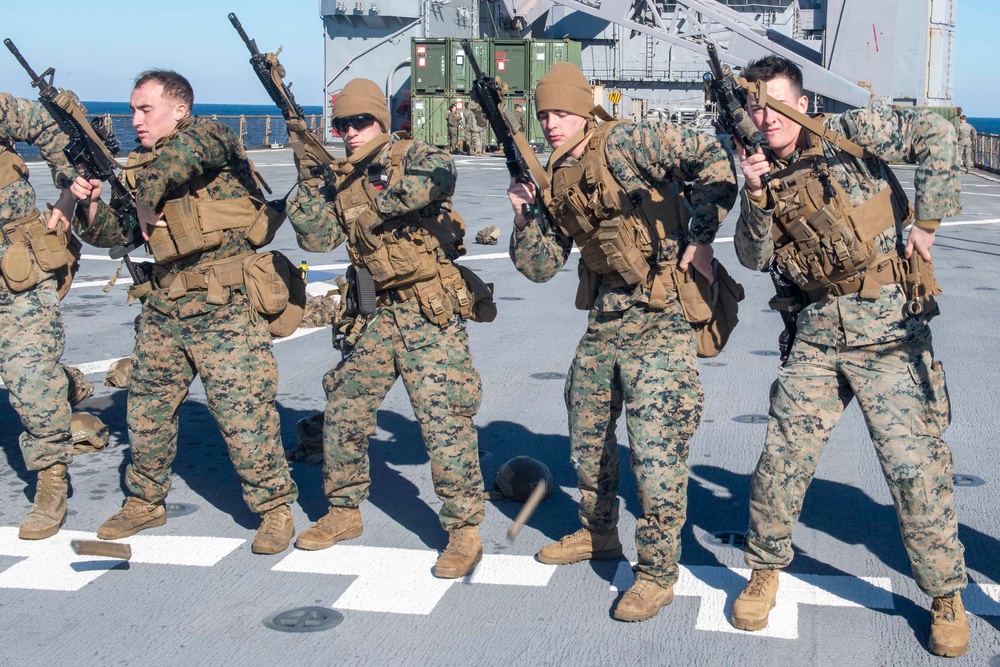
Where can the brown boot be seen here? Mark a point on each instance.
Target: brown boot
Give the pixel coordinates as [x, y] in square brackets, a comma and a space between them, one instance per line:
[751, 609]
[949, 627]
[276, 530]
[582, 545]
[340, 523]
[643, 601]
[48, 513]
[463, 553]
[135, 515]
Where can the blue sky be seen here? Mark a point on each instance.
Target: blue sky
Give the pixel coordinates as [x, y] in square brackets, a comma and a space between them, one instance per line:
[97, 48]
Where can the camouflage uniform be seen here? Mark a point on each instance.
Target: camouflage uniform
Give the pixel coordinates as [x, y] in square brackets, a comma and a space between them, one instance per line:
[631, 354]
[454, 131]
[434, 362]
[473, 133]
[849, 347]
[966, 143]
[228, 344]
[31, 327]
[520, 122]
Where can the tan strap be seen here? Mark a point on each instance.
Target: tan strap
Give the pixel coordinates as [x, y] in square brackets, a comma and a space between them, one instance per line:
[70, 103]
[14, 230]
[12, 168]
[212, 277]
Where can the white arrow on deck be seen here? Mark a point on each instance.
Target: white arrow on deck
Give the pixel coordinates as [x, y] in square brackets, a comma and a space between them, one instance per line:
[52, 565]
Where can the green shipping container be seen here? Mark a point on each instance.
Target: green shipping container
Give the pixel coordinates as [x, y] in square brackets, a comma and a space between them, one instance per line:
[429, 66]
[462, 73]
[544, 53]
[510, 63]
[430, 118]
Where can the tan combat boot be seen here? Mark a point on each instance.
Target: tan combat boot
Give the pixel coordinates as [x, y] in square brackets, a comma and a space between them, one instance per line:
[949, 627]
[340, 523]
[643, 601]
[463, 553]
[48, 513]
[582, 545]
[276, 530]
[751, 609]
[135, 515]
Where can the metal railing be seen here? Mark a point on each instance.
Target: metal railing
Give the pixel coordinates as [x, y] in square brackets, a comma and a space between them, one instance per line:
[253, 131]
[986, 152]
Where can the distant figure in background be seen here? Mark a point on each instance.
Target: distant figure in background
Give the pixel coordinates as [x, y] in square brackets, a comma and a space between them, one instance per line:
[966, 141]
[471, 133]
[520, 121]
[454, 128]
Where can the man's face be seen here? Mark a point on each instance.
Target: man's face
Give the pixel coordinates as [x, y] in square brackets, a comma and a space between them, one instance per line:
[781, 133]
[558, 126]
[153, 115]
[357, 131]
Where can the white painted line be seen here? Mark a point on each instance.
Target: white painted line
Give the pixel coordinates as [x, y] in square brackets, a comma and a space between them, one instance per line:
[51, 564]
[399, 581]
[958, 223]
[982, 599]
[719, 586]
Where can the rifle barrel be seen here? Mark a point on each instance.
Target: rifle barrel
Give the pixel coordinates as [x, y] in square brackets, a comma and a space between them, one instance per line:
[24, 63]
[251, 44]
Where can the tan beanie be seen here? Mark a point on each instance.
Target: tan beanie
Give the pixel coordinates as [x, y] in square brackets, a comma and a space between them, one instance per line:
[565, 88]
[362, 96]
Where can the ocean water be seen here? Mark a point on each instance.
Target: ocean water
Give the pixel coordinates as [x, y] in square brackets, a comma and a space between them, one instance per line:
[985, 125]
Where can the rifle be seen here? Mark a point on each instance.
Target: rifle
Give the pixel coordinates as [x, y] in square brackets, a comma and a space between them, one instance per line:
[731, 100]
[515, 146]
[271, 73]
[91, 150]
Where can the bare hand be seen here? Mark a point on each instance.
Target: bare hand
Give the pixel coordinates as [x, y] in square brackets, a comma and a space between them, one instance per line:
[754, 166]
[87, 191]
[700, 256]
[921, 240]
[61, 213]
[521, 194]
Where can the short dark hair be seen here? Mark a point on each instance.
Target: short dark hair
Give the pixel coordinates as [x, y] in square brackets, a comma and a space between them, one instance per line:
[963, 116]
[175, 86]
[517, 106]
[771, 67]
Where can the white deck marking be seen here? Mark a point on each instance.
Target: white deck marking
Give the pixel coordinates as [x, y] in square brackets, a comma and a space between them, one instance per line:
[399, 581]
[51, 564]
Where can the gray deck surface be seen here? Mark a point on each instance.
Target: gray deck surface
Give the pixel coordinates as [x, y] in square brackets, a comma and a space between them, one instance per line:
[848, 598]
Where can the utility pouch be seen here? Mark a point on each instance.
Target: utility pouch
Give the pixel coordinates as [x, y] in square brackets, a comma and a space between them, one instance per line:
[454, 283]
[183, 236]
[266, 222]
[18, 272]
[47, 245]
[484, 308]
[267, 278]
[588, 288]
[694, 294]
[435, 302]
[64, 276]
[713, 310]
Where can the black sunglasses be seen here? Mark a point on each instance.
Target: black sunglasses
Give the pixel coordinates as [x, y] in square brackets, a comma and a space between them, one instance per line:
[359, 122]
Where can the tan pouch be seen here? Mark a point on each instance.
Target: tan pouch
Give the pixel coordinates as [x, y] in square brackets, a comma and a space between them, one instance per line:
[694, 294]
[484, 308]
[183, 236]
[725, 295]
[218, 214]
[265, 224]
[48, 245]
[435, 302]
[288, 320]
[590, 285]
[267, 277]
[64, 276]
[17, 269]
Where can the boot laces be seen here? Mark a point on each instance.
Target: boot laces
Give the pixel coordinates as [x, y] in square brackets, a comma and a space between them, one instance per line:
[272, 523]
[133, 508]
[758, 582]
[946, 609]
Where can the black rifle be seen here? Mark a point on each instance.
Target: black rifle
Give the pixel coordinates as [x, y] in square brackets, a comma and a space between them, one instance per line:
[90, 158]
[731, 101]
[262, 67]
[486, 92]
[787, 291]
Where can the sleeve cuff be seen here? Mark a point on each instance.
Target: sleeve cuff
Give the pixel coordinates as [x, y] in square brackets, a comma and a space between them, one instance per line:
[928, 225]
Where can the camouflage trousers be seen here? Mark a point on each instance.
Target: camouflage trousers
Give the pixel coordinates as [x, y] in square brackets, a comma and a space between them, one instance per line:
[966, 160]
[454, 140]
[646, 361]
[476, 142]
[902, 393]
[31, 343]
[230, 348]
[445, 392]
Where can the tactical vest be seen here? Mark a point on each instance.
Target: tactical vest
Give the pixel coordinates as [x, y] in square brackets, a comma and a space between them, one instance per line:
[619, 239]
[821, 241]
[12, 167]
[403, 250]
[195, 222]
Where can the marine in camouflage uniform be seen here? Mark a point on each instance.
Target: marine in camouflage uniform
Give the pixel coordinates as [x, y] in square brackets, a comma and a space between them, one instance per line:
[398, 339]
[966, 145]
[454, 129]
[474, 129]
[856, 345]
[190, 331]
[31, 327]
[634, 355]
